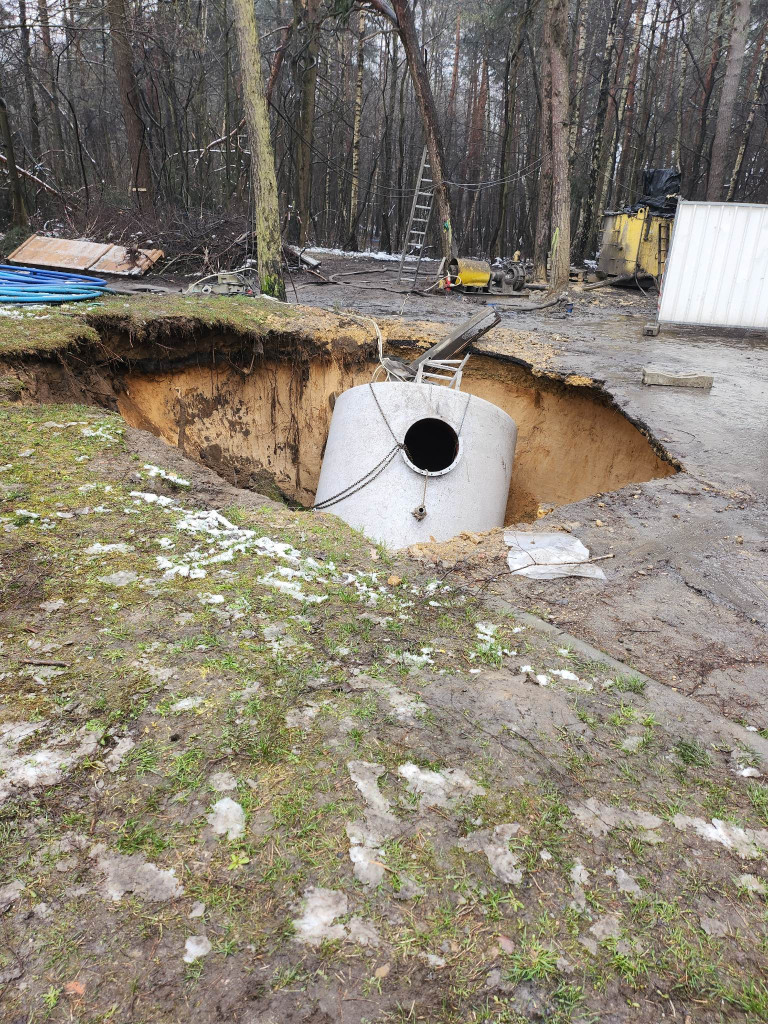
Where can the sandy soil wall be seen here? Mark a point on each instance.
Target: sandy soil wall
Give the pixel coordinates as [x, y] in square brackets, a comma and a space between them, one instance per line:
[268, 427]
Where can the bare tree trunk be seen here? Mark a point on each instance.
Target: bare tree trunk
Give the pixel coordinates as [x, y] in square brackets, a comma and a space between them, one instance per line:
[561, 181]
[56, 135]
[578, 80]
[733, 66]
[29, 89]
[20, 218]
[754, 103]
[264, 182]
[307, 73]
[451, 115]
[278, 58]
[358, 117]
[543, 236]
[630, 71]
[508, 138]
[406, 27]
[708, 86]
[141, 175]
[588, 235]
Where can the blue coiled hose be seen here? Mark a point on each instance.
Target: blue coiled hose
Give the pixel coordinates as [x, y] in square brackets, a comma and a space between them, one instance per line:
[23, 284]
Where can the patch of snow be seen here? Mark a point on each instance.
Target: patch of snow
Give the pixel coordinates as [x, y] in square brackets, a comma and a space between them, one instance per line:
[187, 704]
[438, 789]
[598, 819]
[632, 743]
[607, 927]
[753, 884]
[366, 864]
[302, 718]
[579, 877]
[154, 471]
[320, 909]
[114, 759]
[45, 766]
[227, 818]
[625, 881]
[381, 257]
[494, 843]
[746, 843]
[10, 893]
[222, 782]
[362, 932]
[132, 873]
[106, 549]
[196, 947]
[153, 499]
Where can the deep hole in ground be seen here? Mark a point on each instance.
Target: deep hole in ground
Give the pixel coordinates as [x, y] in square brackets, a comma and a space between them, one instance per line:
[272, 424]
[259, 416]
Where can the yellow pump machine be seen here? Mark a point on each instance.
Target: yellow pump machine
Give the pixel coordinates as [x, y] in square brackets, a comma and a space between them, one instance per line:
[635, 241]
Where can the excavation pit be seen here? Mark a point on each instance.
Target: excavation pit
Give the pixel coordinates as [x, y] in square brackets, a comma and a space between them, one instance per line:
[264, 426]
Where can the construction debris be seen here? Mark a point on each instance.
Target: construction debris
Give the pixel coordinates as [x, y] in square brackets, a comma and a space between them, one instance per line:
[670, 378]
[223, 284]
[80, 254]
[448, 349]
[549, 556]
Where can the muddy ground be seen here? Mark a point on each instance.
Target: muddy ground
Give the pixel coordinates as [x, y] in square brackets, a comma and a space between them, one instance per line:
[256, 769]
[686, 598]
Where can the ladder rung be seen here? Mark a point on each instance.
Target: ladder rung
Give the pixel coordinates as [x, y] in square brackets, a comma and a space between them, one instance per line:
[421, 206]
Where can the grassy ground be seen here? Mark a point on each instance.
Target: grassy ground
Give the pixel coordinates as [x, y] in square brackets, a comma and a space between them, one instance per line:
[253, 768]
[48, 329]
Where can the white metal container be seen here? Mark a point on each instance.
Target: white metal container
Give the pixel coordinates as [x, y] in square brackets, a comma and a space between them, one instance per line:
[413, 462]
[716, 273]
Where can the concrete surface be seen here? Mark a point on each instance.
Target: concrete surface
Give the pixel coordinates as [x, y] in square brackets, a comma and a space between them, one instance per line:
[469, 494]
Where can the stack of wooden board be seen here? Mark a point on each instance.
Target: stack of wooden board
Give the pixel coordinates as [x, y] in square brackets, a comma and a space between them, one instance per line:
[80, 254]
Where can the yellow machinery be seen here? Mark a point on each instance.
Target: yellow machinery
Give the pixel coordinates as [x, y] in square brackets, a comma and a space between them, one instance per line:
[634, 244]
[503, 278]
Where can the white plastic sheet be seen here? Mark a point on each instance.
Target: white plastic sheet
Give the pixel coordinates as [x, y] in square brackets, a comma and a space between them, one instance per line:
[549, 556]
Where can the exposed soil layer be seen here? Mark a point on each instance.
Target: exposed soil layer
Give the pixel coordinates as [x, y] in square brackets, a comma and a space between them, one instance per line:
[272, 420]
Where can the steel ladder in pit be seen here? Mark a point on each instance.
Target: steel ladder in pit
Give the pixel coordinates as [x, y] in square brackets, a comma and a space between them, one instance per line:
[418, 223]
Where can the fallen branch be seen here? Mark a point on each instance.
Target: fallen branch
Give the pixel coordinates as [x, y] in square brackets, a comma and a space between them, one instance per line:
[42, 661]
[38, 181]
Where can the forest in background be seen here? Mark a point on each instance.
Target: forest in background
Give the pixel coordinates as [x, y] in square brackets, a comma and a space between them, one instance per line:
[127, 117]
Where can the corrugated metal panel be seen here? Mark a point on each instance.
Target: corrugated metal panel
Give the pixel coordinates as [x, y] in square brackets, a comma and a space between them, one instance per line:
[717, 268]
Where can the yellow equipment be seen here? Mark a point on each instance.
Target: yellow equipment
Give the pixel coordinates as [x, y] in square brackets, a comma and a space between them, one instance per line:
[503, 278]
[634, 244]
[469, 273]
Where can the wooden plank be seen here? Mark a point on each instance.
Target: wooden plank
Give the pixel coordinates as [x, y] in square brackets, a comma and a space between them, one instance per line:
[66, 253]
[80, 254]
[117, 260]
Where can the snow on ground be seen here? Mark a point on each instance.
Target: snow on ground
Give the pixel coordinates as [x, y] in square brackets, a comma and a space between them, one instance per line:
[382, 257]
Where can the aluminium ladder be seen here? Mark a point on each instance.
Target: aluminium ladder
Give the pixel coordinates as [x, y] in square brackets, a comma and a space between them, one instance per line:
[418, 222]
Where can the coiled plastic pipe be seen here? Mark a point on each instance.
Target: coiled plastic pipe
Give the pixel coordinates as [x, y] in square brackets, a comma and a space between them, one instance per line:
[23, 284]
